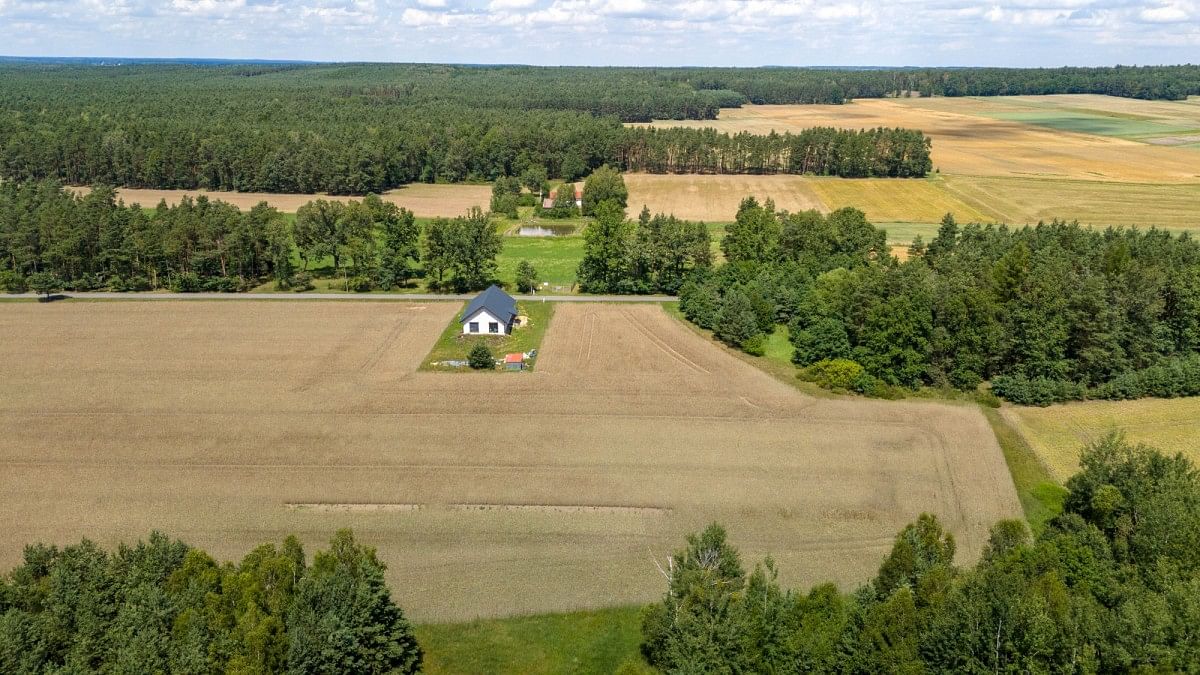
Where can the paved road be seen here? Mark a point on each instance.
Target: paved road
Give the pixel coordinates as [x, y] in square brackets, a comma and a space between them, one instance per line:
[424, 297]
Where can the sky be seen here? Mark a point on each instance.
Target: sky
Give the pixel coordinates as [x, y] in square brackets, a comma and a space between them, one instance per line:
[615, 32]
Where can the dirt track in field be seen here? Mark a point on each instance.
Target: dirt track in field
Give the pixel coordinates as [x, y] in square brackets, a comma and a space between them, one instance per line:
[231, 424]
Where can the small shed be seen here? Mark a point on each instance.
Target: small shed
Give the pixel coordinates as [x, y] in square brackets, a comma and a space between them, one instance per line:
[490, 313]
[514, 361]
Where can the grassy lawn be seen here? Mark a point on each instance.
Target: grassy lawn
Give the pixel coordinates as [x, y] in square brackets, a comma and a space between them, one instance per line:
[453, 345]
[554, 258]
[1041, 496]
[597, 641]
[779, 346]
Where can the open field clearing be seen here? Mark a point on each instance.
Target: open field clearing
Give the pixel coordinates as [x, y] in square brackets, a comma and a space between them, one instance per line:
[1057, 432]
[424, 200]
[1084, 113]
[230, 424]
[888, 199]
[968, 142]
[1021, 201]
[908, 207]
[716, 198]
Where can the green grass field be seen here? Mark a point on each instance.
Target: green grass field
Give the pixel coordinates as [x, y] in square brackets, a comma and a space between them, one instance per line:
[454, 346]
[554, 258]
[599, 641]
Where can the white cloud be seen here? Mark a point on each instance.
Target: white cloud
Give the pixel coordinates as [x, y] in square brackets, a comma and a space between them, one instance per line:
[636, 32]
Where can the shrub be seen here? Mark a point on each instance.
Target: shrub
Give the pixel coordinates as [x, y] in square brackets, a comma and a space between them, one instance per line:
[755, 345]
[1040, 391]
[185, 283]
[480, 357]
[12, 282]
[837, 374]
[359, 284]
[222, 284]
[302, 281]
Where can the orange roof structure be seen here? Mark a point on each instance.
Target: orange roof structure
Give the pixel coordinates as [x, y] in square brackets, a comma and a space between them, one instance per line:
[515, 358]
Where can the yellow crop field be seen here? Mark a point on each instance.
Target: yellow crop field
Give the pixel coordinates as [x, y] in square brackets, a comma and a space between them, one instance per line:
[231, 423]
[716, 198]
[1058, 432]
[892, 199]
[1021, 201]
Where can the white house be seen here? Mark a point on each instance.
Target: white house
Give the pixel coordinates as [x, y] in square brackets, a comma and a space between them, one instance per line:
[492, 312]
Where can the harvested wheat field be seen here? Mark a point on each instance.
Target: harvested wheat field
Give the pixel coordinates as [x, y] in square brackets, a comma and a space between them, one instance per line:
[966, 141]
[425, 201]
[233, 423]
[716, 198]
[1057, 433]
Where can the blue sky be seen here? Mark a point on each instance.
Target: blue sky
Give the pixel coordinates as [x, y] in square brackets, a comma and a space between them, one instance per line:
[615, 32]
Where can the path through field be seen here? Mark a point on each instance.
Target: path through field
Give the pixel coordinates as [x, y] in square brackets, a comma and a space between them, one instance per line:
[232, 424]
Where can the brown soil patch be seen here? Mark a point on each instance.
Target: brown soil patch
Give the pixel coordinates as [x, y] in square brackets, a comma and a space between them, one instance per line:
[205, 419]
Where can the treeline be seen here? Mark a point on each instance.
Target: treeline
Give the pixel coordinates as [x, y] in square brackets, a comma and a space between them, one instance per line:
[834, 85]
[162, 606]
[1110, 585]
[822, 151]
[1046, 313]
[362, 128]
[95, 242]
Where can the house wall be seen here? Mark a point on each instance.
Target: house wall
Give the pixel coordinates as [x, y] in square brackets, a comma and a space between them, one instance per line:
[484, 318]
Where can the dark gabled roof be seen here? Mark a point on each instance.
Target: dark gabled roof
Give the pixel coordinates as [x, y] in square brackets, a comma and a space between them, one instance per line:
[498, 303]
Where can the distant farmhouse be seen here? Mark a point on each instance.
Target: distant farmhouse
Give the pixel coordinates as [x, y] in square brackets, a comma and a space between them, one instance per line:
[491, 312]
[548, 202]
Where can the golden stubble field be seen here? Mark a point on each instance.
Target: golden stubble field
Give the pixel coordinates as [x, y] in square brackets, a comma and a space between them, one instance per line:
[968, 142]
[1015, 159]
[228, 424]
[1057, 433]
[424, 200]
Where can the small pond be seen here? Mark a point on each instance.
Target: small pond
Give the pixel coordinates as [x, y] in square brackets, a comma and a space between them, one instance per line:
[545, 230]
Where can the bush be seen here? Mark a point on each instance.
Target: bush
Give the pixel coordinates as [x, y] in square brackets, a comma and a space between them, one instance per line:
[223, 284]
[185, 283]
[480, 357]
[1040, 391]
[359, 284]
[12, 282]
[302, 281]
[838, 374]
[755, 345]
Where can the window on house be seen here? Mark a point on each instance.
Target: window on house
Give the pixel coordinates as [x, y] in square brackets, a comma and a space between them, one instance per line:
[473, 327]
[493, 327]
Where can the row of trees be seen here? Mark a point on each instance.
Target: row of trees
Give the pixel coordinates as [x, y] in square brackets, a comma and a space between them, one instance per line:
[51, 235]
[95, 242]
[823, 151]
[1110, 585]
[1050, 312]
[163, 606]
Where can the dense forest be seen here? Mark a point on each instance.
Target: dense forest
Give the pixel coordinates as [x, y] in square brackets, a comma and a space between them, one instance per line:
[1046, 313]
[162, 606]
[361, 128]
[1110, 585]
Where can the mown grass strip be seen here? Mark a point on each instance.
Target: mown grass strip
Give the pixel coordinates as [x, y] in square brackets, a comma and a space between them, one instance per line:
[1041, 496]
